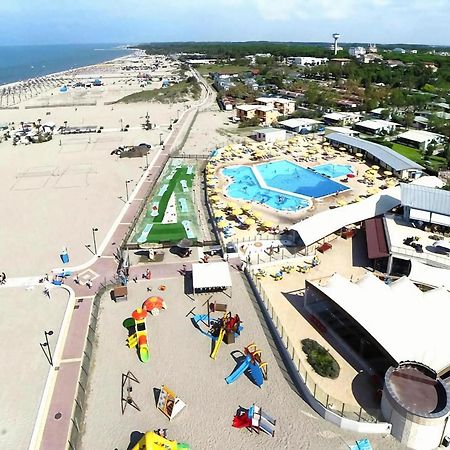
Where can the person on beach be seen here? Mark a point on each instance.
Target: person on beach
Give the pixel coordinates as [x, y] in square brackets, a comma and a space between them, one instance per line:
[89, 284]
[2, 278]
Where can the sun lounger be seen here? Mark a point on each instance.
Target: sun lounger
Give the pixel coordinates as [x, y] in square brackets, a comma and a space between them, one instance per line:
[324, 247]
[189, 170]
[163, 190]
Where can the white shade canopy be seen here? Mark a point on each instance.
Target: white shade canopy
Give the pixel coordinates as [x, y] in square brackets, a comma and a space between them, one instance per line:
[211, 276]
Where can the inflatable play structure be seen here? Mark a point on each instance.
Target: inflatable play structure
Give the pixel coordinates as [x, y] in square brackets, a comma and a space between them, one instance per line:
[254, 419]
[64, 255]
[252, 364]
[168, 403]
[139, 337]
[154, 305]
[153, 441]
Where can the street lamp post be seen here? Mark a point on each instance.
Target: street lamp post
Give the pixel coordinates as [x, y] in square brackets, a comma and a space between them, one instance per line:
[46, 344]
[93, 238]
[126, 188]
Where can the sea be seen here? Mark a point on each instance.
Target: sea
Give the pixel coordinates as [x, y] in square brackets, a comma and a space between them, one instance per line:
[21, 62]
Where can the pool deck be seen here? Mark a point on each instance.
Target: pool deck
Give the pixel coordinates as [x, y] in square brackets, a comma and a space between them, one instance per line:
[357, 185]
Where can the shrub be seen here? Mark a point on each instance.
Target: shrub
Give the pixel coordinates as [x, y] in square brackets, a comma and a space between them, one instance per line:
[320, 359]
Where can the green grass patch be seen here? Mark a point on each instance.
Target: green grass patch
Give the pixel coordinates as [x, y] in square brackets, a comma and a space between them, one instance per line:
[320, 359]
[204, 69]
[166, 232]
[179, 92]
[432, 162]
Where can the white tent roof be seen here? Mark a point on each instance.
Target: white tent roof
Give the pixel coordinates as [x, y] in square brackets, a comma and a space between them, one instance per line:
[211, 275]
[429, 275]
[323, 224]
[409, 324]
[419, 136]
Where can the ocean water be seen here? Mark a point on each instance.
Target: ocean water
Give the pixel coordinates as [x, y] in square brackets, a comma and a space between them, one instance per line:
[28, 61]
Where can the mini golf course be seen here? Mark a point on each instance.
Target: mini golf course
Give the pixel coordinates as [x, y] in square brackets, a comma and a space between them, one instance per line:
[169, 214]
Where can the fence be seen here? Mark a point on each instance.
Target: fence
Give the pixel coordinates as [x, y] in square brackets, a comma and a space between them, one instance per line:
[341, 409]
[80, 397]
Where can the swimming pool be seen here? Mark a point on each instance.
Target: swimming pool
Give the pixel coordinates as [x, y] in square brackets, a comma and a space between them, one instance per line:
[245, 186]
[291, 177]
[333, 170]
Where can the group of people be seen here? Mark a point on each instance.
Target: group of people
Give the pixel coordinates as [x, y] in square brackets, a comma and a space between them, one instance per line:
[3, 278]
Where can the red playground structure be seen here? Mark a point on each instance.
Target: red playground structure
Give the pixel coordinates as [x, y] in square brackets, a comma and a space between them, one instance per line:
[254, 419]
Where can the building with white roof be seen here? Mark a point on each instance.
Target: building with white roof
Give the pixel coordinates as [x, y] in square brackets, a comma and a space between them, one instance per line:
[342, 130]
[265, 113]
[356, 52]
[307, 61]
[376, 126]
[341, 118]
[420, 139]
[270, 135]
[300, 125]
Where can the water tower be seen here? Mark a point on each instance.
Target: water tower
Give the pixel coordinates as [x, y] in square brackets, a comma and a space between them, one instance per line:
[336, 36]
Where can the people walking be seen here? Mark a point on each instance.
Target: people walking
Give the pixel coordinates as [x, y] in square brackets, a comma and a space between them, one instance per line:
[2, 278]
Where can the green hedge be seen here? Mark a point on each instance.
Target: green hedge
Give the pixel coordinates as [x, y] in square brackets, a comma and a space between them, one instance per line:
[320, 359]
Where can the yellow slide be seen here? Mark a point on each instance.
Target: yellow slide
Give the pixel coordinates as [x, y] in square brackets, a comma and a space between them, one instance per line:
[153, 441]
[218, 342]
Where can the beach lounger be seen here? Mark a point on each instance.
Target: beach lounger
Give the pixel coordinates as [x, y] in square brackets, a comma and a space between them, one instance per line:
[163, 190]
[183, 205]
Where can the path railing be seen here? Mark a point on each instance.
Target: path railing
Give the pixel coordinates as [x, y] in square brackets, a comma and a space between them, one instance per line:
[345, 410]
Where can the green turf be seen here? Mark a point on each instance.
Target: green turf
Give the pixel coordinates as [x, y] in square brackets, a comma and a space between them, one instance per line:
[435, 162]
[166, 232]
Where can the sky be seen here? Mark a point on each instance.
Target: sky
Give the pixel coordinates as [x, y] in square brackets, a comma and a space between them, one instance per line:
[138, 21]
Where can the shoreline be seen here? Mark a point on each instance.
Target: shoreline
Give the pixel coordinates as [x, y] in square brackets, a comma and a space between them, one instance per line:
[18, 83]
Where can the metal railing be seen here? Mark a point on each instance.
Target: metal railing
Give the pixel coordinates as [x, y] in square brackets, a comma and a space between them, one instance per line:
[346, 410]
[440, 259]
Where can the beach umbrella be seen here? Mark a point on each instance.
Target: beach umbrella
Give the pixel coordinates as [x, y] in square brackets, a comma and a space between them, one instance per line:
[139, 314]
[359, 155]
[218, 214]
[222, 224]
[373, 190]
[388, 173]
[231, 205]
[357, 199]
[249, 221]
[246, 207]
[256, 214]
[375, 167]
[236, 211]
[267, 224]
[341, 202]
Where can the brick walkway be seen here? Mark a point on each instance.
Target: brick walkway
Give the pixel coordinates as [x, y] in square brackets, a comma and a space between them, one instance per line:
[53, 432]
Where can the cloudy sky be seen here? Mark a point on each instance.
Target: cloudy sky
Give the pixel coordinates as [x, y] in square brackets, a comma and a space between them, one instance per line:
[133, 21]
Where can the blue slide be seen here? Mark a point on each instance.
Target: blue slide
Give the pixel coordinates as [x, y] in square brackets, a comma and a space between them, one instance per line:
[239, 371]
[257, 374]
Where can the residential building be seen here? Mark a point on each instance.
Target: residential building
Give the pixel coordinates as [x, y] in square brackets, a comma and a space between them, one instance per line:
[381, 155]
[420, 122]
[340, 61]
[251, 84]
[301, 125]
[266, 114]
[270, 135]
[376, 126]
[227, 103]
[399, 50]
[394, 63]
[283, 105]
[420, 139]
[357, 52]
[371, 58]
[342, 130]
[341, 118]
[378, 112]
[307, 61]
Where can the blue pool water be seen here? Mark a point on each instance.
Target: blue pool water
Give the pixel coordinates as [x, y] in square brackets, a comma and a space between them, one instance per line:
[245, 186]
[333, 170]
[291, 177]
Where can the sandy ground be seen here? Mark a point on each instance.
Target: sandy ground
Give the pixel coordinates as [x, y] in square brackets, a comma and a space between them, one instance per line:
[54, 193]
[24, 316]
[180, 359]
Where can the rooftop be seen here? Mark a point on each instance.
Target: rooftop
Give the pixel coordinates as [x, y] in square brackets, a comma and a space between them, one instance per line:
[376, 124]
[294, 123]
[426, 198]
[399, 309]
[385, 154]
[340, 115]
[270, 130]
[419, 136]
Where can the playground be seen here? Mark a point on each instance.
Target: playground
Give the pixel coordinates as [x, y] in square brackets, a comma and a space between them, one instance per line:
[180, 359]
[170, 214]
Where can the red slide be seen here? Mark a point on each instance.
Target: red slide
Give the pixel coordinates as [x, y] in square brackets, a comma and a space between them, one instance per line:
[242, 421]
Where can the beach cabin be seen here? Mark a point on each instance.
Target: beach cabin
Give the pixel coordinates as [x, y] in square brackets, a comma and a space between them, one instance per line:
[270, 135]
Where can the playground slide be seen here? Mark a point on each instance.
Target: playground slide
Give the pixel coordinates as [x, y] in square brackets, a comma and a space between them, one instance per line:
[218, 342]
[143, 349]
[256, 374]
[239, 371]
